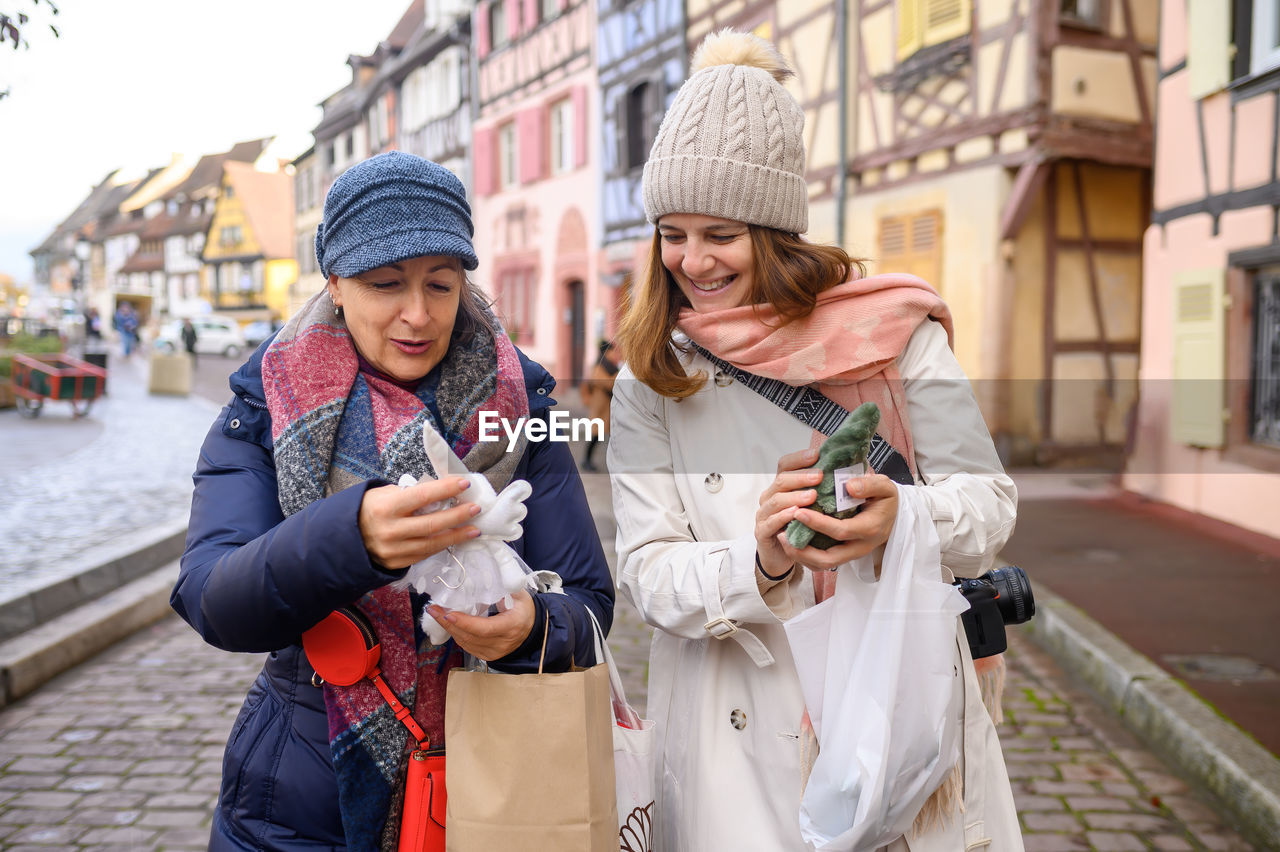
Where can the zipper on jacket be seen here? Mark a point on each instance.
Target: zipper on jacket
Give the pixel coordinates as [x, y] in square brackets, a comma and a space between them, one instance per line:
[252, 403]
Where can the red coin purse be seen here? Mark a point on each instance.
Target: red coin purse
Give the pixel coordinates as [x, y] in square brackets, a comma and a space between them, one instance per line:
[344, 650]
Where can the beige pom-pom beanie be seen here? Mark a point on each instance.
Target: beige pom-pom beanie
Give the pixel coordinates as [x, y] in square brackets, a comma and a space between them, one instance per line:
[732, 143]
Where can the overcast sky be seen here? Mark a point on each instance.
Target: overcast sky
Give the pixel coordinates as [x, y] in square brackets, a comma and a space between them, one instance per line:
[130, 82]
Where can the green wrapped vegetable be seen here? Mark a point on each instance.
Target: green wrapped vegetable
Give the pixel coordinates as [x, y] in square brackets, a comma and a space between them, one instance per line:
[846, 447]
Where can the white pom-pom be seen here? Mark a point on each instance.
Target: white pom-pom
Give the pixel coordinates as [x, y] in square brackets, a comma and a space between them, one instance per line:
[731, 47]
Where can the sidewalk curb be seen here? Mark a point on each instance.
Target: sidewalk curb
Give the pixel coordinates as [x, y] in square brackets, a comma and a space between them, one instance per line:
[114, 564]
[45, 651]
[1169, 717]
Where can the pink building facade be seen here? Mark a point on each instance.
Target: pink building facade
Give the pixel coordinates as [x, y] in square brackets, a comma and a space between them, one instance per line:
[535, 186]
[1207, 433]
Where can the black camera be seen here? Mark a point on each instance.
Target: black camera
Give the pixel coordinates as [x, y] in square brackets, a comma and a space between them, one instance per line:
[999, 597]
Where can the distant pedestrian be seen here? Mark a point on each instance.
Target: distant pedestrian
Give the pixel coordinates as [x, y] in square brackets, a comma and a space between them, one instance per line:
[93, 325]
[126, 324]
[295, 514]
[189, 338]
[597, 396]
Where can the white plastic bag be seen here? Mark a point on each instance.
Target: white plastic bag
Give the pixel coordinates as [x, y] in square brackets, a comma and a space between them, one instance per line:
[633, 761]
[877, 667]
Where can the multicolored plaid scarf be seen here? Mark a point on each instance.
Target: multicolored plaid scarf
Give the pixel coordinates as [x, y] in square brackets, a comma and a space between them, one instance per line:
[334, 426]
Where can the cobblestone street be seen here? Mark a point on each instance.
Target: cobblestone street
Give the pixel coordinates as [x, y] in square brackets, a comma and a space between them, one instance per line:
[124, 752]
[72, 484]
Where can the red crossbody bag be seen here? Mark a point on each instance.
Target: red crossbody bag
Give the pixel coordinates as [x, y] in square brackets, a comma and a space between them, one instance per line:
[343, 649]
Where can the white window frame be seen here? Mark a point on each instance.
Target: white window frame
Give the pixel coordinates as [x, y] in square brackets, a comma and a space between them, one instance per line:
[1264, 52]
[499, 37]
[508, 159]
[561, 130]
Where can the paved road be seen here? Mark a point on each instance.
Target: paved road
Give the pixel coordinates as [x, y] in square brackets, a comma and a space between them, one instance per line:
[72, 484]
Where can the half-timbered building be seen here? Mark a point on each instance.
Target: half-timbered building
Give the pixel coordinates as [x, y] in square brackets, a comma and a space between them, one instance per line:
[641, 62]
[1207, 436]
[535, 208]
[1001, 149]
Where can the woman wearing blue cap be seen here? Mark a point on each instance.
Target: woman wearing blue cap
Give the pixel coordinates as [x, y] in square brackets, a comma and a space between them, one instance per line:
[294, 514]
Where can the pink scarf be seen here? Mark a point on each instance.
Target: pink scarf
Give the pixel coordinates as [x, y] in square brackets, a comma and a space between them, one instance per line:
[847, 348]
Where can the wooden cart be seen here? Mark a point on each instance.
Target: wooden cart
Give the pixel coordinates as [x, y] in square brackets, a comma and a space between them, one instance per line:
[59, 377]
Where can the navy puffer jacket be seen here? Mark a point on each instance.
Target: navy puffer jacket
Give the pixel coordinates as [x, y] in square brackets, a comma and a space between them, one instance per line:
[253, 580]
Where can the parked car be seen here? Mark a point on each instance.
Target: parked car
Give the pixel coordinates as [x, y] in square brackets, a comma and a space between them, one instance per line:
[215, 335]
[259, 330]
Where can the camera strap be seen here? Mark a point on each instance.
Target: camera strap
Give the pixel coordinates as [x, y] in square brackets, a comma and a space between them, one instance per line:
[819, 412]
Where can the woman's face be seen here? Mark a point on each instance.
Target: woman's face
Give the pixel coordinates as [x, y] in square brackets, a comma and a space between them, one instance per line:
[401, 316]
[710, 259]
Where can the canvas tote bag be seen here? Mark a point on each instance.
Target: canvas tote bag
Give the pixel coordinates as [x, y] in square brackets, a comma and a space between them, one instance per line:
[530, 761]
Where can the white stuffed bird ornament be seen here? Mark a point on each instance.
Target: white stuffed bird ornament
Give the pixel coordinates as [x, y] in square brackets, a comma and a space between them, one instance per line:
[472, 576]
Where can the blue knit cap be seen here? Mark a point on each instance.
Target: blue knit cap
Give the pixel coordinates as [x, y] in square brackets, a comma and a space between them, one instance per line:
[390, 208]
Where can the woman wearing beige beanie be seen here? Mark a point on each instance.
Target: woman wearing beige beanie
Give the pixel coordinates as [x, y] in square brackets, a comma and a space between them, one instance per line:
[711, 453]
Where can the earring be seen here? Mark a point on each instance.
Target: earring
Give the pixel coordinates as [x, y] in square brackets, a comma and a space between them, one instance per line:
[337, 309]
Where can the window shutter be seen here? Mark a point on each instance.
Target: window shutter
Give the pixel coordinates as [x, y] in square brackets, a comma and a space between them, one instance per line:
[912, 245]
[531, 132]
[530, 13]
[944, 20]
[1199, 356]
[483, 154]
[482, 29]
[1208, 46]
[513, 19]
[580, 124]
[910, 31]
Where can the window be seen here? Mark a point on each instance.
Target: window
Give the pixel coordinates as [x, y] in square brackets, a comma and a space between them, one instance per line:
[507, 155]
[1264, 420]
[913, 244]
[922, 23]
[548, 9]
[228, 191]
[229, 236]
[641, 109]
[517, 291]
[1084, 12]
[1264, 52]
[561, 136]
[498, 34]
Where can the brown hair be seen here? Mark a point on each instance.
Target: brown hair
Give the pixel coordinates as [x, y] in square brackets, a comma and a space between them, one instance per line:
[473, 311]
[787, 272]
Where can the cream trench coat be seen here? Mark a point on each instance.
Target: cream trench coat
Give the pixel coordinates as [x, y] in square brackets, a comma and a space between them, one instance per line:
[723, 690]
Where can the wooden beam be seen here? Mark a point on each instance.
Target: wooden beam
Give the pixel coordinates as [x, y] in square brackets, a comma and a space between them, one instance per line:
[1107, 246]
[1050, 297]
[1095, 291]
[986, 126]
[1015, 26]
[1120, 347]
[1026, 186]
[1136, 52]
[1102, 142]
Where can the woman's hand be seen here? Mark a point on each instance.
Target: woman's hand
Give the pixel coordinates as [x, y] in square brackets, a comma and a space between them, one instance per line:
[860, 535]
[793, 487]
[397, 538]
[489, 637]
